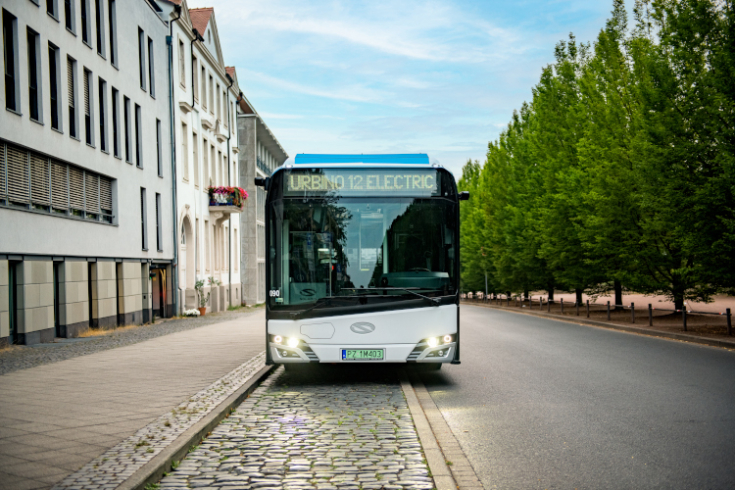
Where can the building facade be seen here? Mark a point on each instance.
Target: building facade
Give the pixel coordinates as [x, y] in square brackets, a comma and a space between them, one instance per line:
[86, 213]
[260, 154]
[204, 95]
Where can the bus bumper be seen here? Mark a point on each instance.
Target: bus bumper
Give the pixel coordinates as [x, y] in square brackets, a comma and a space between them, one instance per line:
[330, 353]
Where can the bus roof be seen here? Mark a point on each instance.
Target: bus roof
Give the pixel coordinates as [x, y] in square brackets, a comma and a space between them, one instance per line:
[399, 159]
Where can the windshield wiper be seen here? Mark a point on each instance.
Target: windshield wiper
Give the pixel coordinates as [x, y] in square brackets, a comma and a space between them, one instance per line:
[323, 302]
[433, 301]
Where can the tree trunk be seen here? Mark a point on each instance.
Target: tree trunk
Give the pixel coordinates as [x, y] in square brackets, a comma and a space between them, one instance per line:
[550, 291]
[578, 292]
[678, 289]
[525, 295]
[618, 294]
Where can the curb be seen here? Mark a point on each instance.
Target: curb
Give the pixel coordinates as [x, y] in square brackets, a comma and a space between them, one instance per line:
[440, 446]
[622, 328]
[443, 479]
[153, 470]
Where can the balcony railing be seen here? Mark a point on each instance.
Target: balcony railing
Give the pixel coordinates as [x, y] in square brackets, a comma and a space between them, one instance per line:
[227, 199]
[262, 166]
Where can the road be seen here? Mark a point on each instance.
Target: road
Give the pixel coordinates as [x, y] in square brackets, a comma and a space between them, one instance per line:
[543, 404]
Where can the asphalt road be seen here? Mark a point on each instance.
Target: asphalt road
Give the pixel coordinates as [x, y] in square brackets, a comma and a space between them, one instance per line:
[544, 404]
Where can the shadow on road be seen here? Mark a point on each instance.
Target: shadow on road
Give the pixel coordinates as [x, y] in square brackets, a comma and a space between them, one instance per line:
[325, 374]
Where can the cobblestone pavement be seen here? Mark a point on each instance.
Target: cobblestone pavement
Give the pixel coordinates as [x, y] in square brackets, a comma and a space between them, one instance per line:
[118, 463]
[24, 357]
[317, 428]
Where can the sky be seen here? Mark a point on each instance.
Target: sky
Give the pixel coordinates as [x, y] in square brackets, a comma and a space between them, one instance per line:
[435, 76]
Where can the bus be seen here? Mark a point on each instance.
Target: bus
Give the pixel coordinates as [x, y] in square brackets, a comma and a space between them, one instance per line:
[362, 261]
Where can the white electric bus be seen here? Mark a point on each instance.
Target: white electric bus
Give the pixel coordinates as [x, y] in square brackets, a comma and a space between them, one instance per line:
[362, 260]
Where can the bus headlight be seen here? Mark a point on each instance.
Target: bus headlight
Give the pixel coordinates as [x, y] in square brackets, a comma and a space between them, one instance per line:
[293, 341]
[277, 339]
[432, 341]
[447, 339]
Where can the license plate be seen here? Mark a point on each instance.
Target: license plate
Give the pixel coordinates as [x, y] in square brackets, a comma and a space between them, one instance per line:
[362, 354]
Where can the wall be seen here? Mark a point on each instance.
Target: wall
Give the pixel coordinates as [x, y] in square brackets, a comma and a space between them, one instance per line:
[73, 298]
[35, 301]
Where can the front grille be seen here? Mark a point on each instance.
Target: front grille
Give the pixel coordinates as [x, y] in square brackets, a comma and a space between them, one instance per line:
[416, 352]
[310, 354]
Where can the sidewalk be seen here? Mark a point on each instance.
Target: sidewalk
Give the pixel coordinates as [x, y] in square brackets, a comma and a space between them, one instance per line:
[726, 342]
[56, 418]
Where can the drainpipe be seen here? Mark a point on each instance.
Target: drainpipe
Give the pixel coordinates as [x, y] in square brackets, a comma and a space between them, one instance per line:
[197, 37]
[229, 179]
[175, 268]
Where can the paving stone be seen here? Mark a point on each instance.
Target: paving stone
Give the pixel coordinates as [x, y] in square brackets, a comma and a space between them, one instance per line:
[313, 436]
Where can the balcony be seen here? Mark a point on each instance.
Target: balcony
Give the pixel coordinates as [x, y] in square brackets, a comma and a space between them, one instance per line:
[224, 201]
[263, 167]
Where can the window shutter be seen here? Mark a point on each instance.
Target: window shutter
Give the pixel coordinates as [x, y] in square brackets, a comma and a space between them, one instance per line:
[76, 188]
[106, 194]
[18, 175]
[92, 192]
[3, 167]
[86, 94]
[59, 186]
[40, 185]
[70, 82]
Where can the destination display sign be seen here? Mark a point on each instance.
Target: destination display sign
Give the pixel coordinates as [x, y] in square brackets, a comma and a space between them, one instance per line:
[363, 182]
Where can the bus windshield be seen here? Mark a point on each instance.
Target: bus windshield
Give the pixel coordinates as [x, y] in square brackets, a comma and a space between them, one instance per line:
[342, 246]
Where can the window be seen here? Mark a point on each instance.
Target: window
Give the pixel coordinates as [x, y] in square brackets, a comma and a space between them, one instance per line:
[34, 84]
[221, 179]
[126, 124]
[205, 163]
[141, 58]
[204, 88]
[151, 68]
[115, 122]
[88, 129]
[52, 9]
[10, 48]
[232, 115]
[159, 148]
[158, 223]
[143, 234]
[182, 66]
[112, 14]
[99, 17]
[225, 110]
[218, 108]
[184, 152]
[207, 245]
[195, 158]
[194, 78]
[102, 93]
[138, 138]
[225, 168]
[41, 183]
[212, 174]
[211, 94]
[86, 31]
[71, 68]
[54, 76]
[69, 14]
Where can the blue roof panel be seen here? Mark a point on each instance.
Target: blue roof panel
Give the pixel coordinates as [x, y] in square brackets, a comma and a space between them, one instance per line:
[401, 159]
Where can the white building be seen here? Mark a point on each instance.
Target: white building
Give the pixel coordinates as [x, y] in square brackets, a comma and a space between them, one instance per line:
[85, 166]
[260, 154]
[204, 96]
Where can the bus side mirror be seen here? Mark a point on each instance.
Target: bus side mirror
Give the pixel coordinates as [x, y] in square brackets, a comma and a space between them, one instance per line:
[464, 196]
[260, 181]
